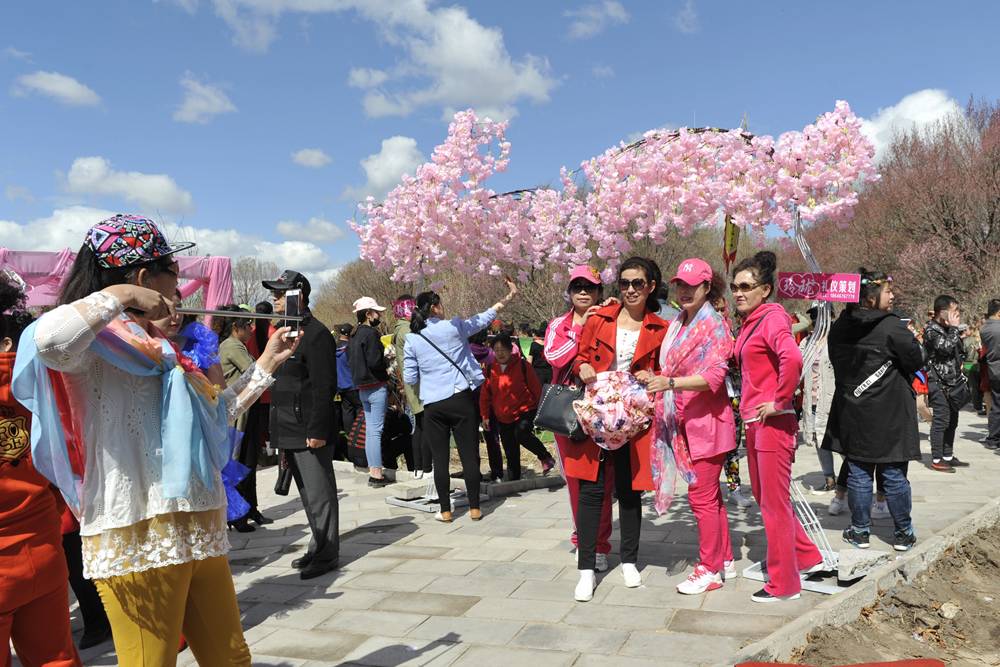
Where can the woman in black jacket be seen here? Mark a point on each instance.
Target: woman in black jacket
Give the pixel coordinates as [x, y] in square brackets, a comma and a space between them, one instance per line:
[873, 419]
[370, 371]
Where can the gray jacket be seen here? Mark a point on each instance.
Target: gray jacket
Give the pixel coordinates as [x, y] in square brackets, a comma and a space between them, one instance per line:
[810, 424]
[989, 333]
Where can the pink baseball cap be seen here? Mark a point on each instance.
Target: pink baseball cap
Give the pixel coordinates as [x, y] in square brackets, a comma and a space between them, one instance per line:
[586, 272]
[693, 272]
[366, 303]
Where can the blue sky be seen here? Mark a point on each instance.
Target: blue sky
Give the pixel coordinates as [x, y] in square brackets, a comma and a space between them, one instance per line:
[257, 125]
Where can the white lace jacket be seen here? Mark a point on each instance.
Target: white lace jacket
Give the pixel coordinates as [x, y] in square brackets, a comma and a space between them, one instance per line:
[127, 525]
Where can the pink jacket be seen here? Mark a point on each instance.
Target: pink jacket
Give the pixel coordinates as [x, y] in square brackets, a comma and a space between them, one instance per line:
[769, 360]
[707, 417]
[562, 343]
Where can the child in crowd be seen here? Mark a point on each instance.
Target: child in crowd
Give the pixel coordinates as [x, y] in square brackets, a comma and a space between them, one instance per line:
[513, 391]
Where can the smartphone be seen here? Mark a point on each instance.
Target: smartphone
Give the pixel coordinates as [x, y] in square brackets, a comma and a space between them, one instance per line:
[292, 298]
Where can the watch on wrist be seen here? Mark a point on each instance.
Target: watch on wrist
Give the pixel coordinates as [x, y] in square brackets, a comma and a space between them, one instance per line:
[671, 384]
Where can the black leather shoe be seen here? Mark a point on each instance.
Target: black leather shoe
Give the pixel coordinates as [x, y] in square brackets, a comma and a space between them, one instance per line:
[94, 636]
[259, 518]
[318, 569]
[241, 525]
[302, 562]
[955, 463]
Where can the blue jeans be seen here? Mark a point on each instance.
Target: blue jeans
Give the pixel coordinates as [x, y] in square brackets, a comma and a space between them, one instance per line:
[374, 401]
[897, 493]
[825, 462]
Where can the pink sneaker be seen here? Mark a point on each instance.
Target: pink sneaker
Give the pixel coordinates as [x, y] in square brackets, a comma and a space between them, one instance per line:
[700, 581]
[548, 464]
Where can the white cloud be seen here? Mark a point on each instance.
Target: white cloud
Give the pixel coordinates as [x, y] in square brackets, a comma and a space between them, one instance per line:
[152, 192]
[202, 101]
[602, 71]
[593, 19]
[302, 256]
[62, 88]
[916, 110]
[11, 52]
[636, 136]
[190, 6]
[311, 157]
[384, 169]
[19, 192]
[317, 230]
[465, 63]
[687, 19]
[65, 228]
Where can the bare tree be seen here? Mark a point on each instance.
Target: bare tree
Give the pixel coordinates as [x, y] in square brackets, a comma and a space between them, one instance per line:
[248, 272]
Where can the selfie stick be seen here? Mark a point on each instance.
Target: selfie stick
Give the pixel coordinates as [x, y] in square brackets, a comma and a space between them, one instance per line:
[242, 314]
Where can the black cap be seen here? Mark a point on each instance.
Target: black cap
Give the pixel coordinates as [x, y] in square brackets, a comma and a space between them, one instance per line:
[289, 280]
[345, 329]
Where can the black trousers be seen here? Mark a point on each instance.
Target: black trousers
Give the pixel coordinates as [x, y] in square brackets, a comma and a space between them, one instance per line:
[456, 416]
[312, 470]
[91, 607]
[350, 407]
[944, 423]
[993, 439]
[972, 377]
[249, 455]
[590, 502]
[421, 445]
[519, 434]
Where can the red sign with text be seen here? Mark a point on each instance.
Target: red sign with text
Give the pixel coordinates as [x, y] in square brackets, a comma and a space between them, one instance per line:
[819, 286]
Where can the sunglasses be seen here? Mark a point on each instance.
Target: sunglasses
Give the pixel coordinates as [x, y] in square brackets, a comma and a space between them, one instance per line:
[582, 287]
[742, 287]
[277, 293]
[638, 284]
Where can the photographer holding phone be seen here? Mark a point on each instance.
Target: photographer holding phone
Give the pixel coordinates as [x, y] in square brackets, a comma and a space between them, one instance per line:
[303, 422]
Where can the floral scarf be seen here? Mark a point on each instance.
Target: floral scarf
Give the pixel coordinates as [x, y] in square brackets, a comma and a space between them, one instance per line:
[685, 351]
[614, 407]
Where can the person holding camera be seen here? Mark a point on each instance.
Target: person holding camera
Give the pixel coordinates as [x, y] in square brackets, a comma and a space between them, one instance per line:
[304, 425]
[945, 359]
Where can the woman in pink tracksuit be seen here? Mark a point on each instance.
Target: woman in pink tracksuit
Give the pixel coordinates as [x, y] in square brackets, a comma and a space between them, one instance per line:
[562, 343]
[771, 364]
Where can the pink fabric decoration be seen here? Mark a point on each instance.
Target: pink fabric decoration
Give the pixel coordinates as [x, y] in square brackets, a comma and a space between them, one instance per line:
[615, 407]
[403, 308]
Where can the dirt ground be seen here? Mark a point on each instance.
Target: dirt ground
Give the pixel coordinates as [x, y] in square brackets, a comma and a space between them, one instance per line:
[950, 612]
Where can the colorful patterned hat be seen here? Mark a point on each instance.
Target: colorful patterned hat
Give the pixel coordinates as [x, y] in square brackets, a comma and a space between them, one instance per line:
[127, 240]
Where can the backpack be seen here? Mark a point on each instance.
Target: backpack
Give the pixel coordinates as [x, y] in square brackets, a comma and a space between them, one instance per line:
[344, 380]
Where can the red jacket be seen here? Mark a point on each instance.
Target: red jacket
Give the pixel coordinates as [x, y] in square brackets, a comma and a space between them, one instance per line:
[510, 392]
[597, 348]
[770, 361]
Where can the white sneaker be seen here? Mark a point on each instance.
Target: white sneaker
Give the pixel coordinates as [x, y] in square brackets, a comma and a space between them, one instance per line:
[700, 581]
[729, 569]
[602, 562]
[880, 511]
[736, 497]
[836, 506]
[631, 575]
[809, 571]
[418, 474]
[586, 587]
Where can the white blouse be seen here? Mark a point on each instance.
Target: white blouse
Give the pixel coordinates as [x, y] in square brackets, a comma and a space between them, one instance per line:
[126, 524]
[625, 344]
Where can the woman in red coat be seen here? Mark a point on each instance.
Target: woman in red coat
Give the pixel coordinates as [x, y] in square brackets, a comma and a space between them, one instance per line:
[623, 337]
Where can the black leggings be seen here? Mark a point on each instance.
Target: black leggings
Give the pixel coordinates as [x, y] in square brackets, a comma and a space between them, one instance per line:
[421, 445]
[590, 502]
[519, 434]
[91, 607]
[249, 455]
[456, 416]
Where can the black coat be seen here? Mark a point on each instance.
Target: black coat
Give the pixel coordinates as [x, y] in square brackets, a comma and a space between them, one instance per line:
[303, 390]
[877, 423]
[366, 355]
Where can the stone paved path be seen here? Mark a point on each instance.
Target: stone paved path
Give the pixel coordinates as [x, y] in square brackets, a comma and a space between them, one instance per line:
[411, 591]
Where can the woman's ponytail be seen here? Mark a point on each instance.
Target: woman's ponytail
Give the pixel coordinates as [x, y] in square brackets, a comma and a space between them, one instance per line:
[422, 313]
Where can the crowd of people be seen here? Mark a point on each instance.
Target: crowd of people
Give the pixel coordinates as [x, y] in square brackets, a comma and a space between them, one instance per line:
[147, 428]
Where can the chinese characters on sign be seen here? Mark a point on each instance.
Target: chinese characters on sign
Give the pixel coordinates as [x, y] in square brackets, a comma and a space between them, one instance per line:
[819, 286]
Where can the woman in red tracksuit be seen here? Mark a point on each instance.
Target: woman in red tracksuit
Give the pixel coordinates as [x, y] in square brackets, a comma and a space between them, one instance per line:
[512, 391]
[624, 337]
[771, 364]
[562, 344]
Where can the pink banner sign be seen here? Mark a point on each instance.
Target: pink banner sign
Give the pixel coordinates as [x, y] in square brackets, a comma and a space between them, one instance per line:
[819, 286]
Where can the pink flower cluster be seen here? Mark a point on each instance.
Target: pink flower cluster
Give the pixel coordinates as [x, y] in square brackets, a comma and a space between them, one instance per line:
[446, 218]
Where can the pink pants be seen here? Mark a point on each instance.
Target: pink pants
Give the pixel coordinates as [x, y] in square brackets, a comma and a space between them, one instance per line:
[563, 444]
[770, 450]
[705, 497]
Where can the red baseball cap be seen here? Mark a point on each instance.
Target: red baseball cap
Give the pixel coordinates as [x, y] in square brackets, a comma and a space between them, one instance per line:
[586, 272]
[693, 272]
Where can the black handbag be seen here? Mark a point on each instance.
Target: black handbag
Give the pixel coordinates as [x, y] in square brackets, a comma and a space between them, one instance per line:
[958, 395]
[284, 482]
[556, 413]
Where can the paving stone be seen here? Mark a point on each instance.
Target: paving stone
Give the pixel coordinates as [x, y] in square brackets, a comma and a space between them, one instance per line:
[274, 661]
[651, 596]
[308, 644]
[372, 622]
[441, 567]
[430, 604]
[520, 610]
[450, 541]
[258, 592]
[558, 591]
[392, 581]
[561, 638]
[340, 599]
[483, 656]
[596, 660]
[372, 564]
[675, 644]
[522, 543]
[469, 630]
[522, 571]
[408, 552]
[610, 616]
[740, 602]
[478, 586]
[483, 553]
[754, 626]
[302, 615]
[554, 557]
[394, 652]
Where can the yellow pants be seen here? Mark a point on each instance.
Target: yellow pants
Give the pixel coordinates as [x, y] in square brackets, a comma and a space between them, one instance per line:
[149, 610]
